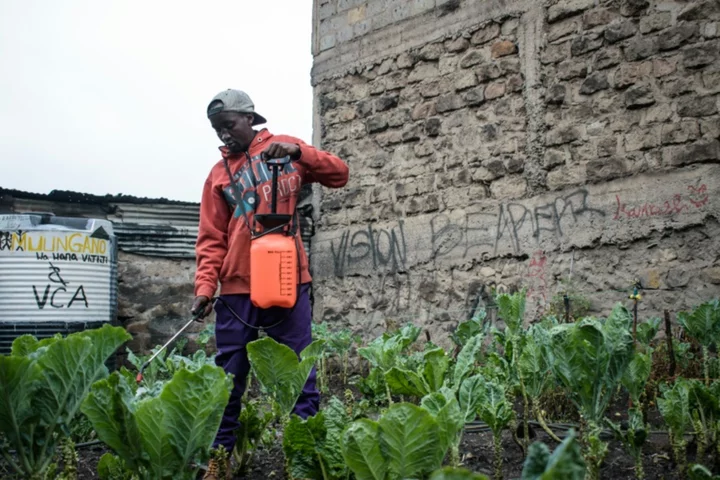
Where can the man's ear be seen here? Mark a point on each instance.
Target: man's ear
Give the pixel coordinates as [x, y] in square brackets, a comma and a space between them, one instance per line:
[250, 119]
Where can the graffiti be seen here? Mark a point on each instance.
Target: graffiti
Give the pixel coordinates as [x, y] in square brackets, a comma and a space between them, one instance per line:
[58, 286]
[5, 241]
[386, 248]
[697, 198]
[72, 257]
[537, 281]
[510, 225]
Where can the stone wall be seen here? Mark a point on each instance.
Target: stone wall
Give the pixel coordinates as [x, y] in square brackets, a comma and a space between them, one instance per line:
[508, 144]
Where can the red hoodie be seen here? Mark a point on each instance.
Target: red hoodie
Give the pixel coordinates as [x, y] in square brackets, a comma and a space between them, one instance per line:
[223, 243]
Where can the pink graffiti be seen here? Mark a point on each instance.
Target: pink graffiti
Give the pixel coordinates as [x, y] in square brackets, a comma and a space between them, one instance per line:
[537, 269]
[697, 197]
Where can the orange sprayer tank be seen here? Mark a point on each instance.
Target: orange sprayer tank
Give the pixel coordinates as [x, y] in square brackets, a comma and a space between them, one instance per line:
[273, 271]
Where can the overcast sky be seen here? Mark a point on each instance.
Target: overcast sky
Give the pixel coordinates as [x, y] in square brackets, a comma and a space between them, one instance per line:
[109, 96]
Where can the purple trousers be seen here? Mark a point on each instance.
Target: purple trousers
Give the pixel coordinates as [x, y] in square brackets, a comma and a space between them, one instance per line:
[232, 335]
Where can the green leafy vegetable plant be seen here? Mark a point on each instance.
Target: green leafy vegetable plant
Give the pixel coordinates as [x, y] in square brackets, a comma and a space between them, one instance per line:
[254, 423]
[453, 473]
[165, 437]
[42, 384]
[636, 375]
[279, 371]
[703, 324]
[404, 443]
[496, 411]
[313, 446]
[633, 438]
[429, 376]
[383, 353]
[534, 371]
[699, 472]
[446, 410]
[674, 406]
[565, 463]
[589, 359]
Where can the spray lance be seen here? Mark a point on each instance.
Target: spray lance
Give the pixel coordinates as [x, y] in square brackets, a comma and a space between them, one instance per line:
[196, 318]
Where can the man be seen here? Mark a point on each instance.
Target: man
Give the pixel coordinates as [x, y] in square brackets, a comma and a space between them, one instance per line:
[223, 244]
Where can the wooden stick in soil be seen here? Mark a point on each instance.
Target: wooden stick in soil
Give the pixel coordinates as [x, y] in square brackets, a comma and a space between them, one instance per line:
[668, 339]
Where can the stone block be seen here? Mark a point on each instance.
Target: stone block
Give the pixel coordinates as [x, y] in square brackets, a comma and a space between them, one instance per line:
[509, 187]
[447, 103]
[474, 96]
[658, 113]
[457, 45]
[640, 48]
[376, 123]
[631, 8]
[711, 30]
[389, 137]
[697, 56]
[641, 139]
[598, 17]
[639, 96]
[555, 53]
[386, 103]
[503, 48]
[472, 58]
[585, 43]
[608, 57]
[702, 10]
[710, 127]
[406, 60]
[571, 68]
[607, 147]
[431, 51]
[676, 86]
[554, 158]
[556, 94]
[664, 66]
[423, 110]
[515, 83]
[448, 64]
[423, 71]
[620, 30]
[399, 117]
[411, 133]
[655, 22]
[429, 89]
[485, 34]
[565, 177]
[700, 151]
[433, 126]
[604, 169]
[676, 36]
[464, 79]
[515, 164]
[424, 149]
[696, 106]
[562, 29]
[594, 83]
[563, 134]
[488, 71]
[629, 73]
[681, 132]
[568, 8]
[494, 90]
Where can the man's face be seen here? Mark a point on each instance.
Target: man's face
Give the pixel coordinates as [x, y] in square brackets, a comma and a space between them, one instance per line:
[234, 130]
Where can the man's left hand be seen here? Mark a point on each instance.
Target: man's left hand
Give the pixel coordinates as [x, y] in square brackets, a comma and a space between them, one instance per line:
[280, 150]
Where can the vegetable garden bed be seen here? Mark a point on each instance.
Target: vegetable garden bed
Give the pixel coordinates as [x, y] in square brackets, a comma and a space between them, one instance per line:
[625, 403]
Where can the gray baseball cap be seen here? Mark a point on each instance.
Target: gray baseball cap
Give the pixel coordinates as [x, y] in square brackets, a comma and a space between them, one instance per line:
[234, 101]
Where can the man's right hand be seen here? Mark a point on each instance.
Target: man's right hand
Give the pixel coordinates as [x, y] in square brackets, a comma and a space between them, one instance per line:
[201, 307]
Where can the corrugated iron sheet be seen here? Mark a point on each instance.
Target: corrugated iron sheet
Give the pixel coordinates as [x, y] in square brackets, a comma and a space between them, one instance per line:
[54, 269]
[143, 226]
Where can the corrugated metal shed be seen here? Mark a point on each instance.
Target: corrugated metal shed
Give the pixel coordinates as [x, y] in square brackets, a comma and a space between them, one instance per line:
[145, 226]
[155, 227]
